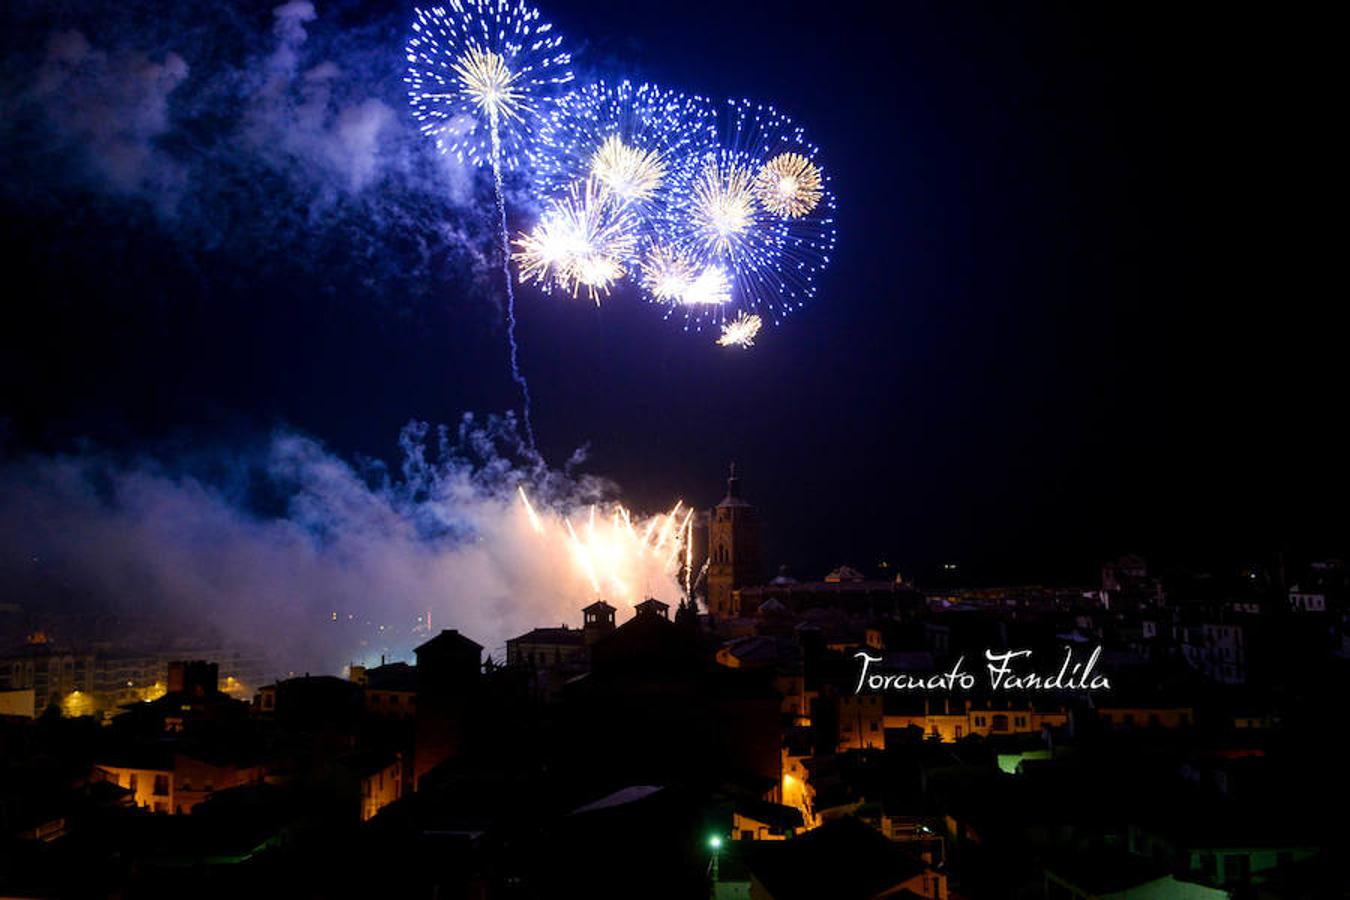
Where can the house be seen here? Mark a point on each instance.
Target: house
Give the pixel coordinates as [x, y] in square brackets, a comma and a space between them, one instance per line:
[375, 776]
[844, 860]
[174, 781]
[542, 648]
[1147, 716]
[390, 689]
[1105, 875]
[1307, 601]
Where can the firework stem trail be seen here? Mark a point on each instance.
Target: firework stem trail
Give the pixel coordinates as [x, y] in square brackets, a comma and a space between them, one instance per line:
[500, 197]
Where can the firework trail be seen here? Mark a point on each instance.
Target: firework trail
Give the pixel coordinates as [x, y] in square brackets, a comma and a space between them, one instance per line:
[480, 77]
[499, 197]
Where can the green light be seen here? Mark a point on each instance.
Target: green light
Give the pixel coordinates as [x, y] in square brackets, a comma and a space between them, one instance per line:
[715, 842]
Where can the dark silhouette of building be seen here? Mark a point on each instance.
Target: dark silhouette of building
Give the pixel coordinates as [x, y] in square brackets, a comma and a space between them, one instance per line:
[733, 549]
[597, 621]
[449, 668]
[653, 607]
[195, 677]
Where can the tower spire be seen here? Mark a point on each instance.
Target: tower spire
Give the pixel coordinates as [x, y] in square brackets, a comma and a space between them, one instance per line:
[732, 482]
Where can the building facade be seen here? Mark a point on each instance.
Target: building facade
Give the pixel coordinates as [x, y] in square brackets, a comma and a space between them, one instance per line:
[733, 550]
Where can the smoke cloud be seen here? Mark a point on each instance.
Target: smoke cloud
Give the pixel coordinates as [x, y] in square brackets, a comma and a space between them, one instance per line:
[294, 548]
[259, 136]
[256, 141]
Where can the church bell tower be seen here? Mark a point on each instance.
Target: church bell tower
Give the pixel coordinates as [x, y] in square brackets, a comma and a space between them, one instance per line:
[733, 549]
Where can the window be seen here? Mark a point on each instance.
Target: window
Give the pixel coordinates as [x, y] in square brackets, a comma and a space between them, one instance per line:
[131, 782]
[161, 785]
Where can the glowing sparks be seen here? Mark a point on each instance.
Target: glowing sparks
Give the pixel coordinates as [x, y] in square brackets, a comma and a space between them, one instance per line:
[741, 331]
[711, 288]
[632, 138]
[667, 273]
[757, 210]
[788, 185]
[629, 173]
[489, 84]
[724, 209]
[481, 76]
[611, 556]
[723, 204]
[480, 73]
[582, 241]
[537, 525]
[674, 277]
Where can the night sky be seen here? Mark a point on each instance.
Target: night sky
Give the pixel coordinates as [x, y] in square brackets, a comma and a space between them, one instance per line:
[1062, 322]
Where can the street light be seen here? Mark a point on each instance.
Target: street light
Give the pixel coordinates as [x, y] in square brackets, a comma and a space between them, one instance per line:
[715, 842]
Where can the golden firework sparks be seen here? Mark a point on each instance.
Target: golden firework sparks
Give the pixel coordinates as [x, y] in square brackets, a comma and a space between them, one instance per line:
[723, 204]
[489, 84]
[711, 288]
[741, 331]
[788, 185]
[611, 556]
[582, 241]
[631, 174]
[667, 273]
[674, 277]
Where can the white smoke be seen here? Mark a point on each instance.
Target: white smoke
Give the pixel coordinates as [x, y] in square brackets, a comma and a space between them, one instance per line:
[115, 107]
[447, 535]
[294, 130]
[296, 115]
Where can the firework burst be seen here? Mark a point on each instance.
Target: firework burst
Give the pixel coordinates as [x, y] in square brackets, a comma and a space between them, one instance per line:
[583, 240]
[741, 331]
[722, 207]
[632, 138]
[490, 86]
[759, 209]
[788, 185]
[479, 68]
[672, 276]
[627, 172]
[667, 273]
